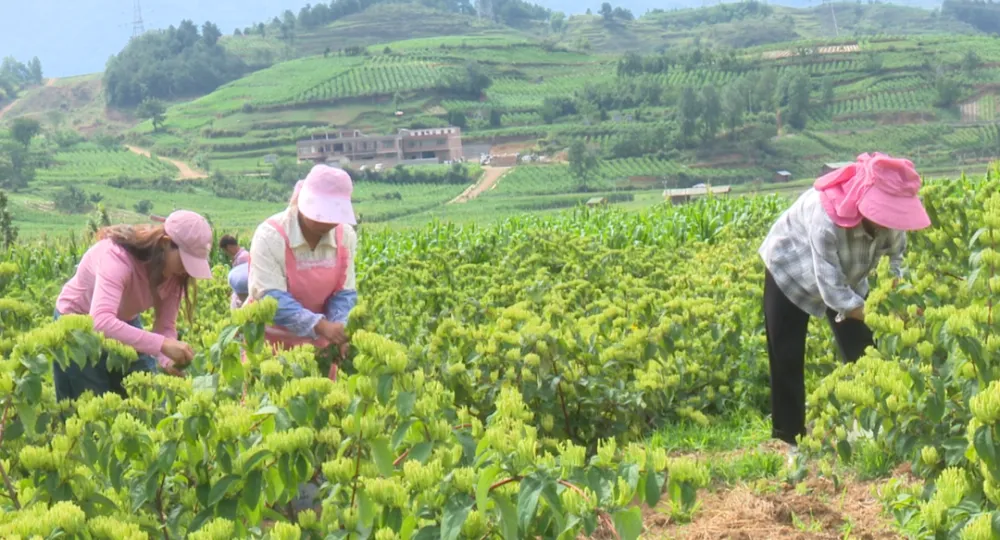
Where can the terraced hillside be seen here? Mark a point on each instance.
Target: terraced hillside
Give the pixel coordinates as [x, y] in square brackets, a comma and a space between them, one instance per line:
[698, 112]
[855, 87]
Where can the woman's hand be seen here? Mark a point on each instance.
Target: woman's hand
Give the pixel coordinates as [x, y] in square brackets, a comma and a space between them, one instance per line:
[179, 352]
[857, 314]
[334, 332]
[171, 370]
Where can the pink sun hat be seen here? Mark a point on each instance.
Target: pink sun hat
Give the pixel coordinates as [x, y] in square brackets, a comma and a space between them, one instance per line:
[325, 196]
[878, 187]
[193, 236]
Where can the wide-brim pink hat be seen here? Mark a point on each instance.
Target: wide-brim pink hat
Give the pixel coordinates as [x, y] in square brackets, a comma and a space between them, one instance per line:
[899, 212]
[883, 189]
[325, 196]
[193, 236]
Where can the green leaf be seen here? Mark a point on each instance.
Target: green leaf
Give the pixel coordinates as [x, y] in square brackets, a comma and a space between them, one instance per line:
[400, 433]
[383, 457]
[366, 509]
[954, 450]
[844, 450]
[455, 511]
[430, 532]
[421, 451]
[252, 488]
[255, 459]
[508, 516]
[628, 523]
[486, 478]
[405, 401]
[986, 447]
[527, 500]
[654, 487]
[995, 521]
[409, 525]
[297, 407]
[168, 453]
[219, 489]
[200, 519]
[384, 391]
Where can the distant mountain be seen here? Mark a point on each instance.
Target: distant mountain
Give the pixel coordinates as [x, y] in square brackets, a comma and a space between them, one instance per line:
[74, 37]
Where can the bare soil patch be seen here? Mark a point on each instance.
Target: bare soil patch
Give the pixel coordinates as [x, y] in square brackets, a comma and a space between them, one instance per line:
[823, 512]
[491, 175]
[186, 171]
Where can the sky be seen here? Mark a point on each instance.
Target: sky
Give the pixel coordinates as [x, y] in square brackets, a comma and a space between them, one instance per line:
[76, 37]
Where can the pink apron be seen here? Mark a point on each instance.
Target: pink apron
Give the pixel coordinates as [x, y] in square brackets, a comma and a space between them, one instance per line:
[311, 283]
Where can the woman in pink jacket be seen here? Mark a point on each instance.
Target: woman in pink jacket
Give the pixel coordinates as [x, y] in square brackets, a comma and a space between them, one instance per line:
[130, 269]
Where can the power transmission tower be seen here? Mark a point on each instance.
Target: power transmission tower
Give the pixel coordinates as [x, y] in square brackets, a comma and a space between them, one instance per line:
[137, 27]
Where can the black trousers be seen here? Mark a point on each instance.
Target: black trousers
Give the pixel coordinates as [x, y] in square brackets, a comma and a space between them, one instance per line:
[786, 327]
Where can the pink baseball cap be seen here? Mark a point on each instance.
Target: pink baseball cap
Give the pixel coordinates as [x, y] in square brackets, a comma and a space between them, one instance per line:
[193, 237]
[892, 200]
[325, 196]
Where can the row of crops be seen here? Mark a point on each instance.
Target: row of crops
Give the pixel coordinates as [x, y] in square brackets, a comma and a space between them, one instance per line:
[522, 414]
[384, 78]
[82, 165]
[905, 100]
[553, 179]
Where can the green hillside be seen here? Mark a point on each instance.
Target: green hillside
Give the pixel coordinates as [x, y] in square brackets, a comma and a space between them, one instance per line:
[853, 87]
[682, 108]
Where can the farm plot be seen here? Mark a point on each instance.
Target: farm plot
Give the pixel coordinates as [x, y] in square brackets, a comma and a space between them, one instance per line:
[93, 164]
[553, 179]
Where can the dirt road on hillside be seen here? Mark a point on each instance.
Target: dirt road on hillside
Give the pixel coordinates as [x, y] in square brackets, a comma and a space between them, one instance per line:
[10, 105]
[186, 171]
[491, 175]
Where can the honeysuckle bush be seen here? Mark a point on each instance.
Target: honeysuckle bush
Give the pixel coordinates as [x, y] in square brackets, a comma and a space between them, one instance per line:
[217, 454]
[930, 392]
[507, 399]
[501, 383]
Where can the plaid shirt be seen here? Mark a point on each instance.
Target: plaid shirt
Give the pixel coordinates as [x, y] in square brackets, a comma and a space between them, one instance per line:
[819, 265]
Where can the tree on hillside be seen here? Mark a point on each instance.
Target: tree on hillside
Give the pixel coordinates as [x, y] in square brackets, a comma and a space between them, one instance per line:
[35, 70]
[607, 12]
[457, 119]
[873, 63]
[177, 62]
[733, 108]
[470, 82]
[210, 33]
[582, 162]
[24, 129]
[971, 62]
[711, 112]
[496, 119]
[8, 231]
[558, 22]
[689, 109]
[765, 91]
[798, 100]
[623, 14]
[948, 91]
[72, 200]
[154, 110]
[828, 94]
